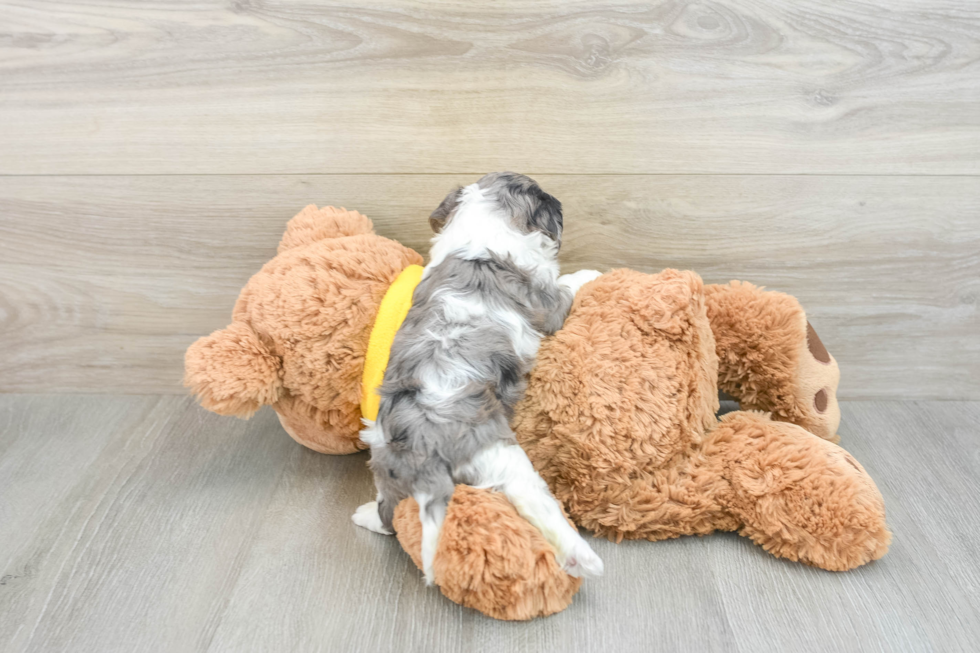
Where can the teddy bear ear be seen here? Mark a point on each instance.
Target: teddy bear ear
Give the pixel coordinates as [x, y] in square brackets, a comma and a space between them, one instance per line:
[232, 372]
[313, 224]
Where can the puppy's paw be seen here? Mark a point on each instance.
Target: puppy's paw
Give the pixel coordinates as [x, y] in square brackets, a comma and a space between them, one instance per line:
[582, 561]
[576, 280]
[367, 516]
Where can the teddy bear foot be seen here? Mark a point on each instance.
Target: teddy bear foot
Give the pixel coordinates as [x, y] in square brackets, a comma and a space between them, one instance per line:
[797, 496]
[491, 559]
[771, 359]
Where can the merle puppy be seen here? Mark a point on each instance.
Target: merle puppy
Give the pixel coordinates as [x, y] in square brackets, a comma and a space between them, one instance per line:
[490, 292]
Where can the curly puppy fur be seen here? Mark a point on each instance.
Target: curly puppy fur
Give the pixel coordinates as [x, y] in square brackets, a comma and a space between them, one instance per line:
[458, 364]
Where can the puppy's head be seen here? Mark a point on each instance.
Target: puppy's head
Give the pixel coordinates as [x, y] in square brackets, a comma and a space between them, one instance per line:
[517, 196]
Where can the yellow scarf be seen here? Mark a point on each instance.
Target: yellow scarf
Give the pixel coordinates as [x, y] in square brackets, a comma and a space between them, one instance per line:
[394, 307]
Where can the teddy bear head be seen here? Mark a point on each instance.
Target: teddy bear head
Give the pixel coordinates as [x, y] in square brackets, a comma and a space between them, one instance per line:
[300, 330]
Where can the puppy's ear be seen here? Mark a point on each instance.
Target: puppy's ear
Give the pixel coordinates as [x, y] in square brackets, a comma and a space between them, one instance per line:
[441, 215]
[546, 216]
[531, 208]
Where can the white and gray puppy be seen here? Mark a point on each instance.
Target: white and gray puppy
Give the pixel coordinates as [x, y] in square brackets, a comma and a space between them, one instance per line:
[490, 292]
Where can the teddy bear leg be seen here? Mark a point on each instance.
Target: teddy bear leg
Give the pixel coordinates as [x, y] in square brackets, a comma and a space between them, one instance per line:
[313, 224]
[797, 496]
[771, 359]
[489, 558]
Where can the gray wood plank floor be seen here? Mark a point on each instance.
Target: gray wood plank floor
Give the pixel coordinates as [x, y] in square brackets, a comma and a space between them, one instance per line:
[147, 524]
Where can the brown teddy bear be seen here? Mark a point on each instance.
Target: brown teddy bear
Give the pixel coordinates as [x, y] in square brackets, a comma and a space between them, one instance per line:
[619, 416]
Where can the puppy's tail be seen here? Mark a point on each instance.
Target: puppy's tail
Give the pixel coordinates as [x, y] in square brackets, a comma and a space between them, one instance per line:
[232, 372]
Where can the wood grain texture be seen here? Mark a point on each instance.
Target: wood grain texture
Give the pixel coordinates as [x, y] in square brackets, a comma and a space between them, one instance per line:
[147, 524]
[112, 545]
[300, 86]
[104, 281]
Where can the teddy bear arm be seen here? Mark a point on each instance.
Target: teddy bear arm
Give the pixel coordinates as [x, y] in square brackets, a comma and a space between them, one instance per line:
[770, 357]
[232, 372]
[489, 558]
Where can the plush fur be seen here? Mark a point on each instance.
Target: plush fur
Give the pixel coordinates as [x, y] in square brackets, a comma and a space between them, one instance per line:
[618, 417]
[300, 330]
[489, 558]
[612, 414]
[771, 358]
[620, 422]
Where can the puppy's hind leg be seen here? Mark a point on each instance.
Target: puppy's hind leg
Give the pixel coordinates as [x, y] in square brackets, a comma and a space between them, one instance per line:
[507, 468]
[376, 515]
[369, 516]
[433, 502]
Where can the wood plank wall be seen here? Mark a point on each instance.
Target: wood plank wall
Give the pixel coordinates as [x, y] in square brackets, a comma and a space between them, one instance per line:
[150, 154]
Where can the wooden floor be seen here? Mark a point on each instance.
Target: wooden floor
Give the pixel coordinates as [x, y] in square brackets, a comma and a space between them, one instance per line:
[147, 524]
